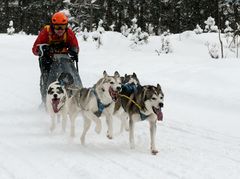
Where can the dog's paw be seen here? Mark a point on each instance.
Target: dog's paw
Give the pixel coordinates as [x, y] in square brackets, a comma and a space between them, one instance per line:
[109, 136]
[154, 152]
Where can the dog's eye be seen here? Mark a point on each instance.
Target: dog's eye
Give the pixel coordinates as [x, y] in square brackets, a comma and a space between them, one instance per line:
[111, 83]
[153, 98]
[50, 91]
[161, 97]
[60, 90]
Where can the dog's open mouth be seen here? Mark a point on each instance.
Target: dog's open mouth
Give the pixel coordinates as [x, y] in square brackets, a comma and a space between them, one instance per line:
[113, 94]
[55, 103]
[158, 112]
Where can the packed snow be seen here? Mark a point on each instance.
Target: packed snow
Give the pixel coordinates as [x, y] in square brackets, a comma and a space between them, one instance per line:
[198, 138]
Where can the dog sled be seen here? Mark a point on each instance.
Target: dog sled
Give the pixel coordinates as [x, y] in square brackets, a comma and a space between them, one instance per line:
[63, 69]
[63, 64]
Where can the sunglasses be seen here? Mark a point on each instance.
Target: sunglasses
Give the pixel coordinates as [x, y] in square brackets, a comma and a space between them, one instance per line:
[60, 27]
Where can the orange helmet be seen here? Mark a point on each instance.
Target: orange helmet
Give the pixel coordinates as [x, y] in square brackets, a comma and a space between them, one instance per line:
[59, 18]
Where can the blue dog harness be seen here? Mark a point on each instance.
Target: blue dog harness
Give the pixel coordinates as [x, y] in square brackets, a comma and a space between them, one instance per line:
[129, 88]
[100, 105]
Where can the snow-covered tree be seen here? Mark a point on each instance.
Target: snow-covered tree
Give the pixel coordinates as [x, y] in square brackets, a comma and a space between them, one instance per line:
[198, 29]
[213, 50]
[150, 29]
[166, 46]
[100, 28]
[85, 34]
[134, 26]
[72, 22]
[10, 29]
[112, 27]
[97, 35]
[166, 33]
[210, 25]
[125, 30]
[139, 37]
[228, 31]
[143, 36]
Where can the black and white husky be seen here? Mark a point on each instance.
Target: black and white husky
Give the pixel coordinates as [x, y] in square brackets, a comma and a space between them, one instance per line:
[143, 103]
[57, 104]
[57, 99]
[95, 102]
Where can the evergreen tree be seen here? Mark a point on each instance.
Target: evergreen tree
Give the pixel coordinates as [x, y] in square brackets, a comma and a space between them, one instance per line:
[176, 15]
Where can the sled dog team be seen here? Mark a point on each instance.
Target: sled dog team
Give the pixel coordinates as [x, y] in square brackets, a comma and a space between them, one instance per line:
[121, 96]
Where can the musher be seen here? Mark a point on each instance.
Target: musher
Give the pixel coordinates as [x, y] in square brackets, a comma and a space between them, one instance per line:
[55, 38]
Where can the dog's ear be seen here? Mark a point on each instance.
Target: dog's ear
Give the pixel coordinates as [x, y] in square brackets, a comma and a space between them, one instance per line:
[159, 88]
[134, 75]
[116, 74]
[105, 73]
[125, 75]
[122, 79]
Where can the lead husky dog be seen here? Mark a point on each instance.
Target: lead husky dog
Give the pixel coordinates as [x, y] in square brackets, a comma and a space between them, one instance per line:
[144, 103]
[57, 104]
[96, 102]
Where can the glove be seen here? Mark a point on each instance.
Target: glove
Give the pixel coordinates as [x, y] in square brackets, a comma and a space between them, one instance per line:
[73, 55]
[43, 50]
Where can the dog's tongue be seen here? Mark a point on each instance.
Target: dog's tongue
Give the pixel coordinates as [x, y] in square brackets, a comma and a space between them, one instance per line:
[55, 103]
[159, 113]
[113, 94]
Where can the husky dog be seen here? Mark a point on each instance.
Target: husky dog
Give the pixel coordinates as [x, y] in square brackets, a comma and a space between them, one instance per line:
[57, 104]
[129, 84]
[96, 102]
[143, 103]
[131, 79]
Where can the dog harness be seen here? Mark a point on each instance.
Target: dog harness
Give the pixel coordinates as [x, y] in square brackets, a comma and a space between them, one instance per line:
[101, 106]
[143, 116]
[130, 88]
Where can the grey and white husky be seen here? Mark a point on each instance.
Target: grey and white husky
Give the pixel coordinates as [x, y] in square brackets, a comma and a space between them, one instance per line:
[95, 102]
[143, 103]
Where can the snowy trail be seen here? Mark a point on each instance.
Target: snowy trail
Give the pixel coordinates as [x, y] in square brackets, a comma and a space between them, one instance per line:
[199, 137]
[29, 147]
